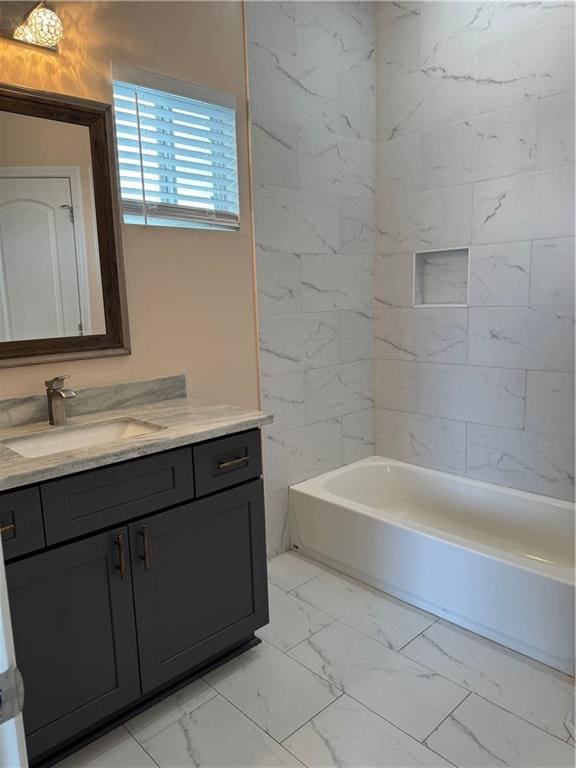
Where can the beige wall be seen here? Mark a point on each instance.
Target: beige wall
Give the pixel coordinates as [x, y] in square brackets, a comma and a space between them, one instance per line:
[190, 293]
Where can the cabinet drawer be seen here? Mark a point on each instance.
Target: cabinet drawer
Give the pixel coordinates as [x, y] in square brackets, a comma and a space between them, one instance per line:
[21, 522]
[227, 461]
[92, 500]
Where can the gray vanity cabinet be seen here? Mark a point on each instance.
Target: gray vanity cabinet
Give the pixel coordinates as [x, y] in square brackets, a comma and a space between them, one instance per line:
[73, 622]
[124, 580]
[199, 575]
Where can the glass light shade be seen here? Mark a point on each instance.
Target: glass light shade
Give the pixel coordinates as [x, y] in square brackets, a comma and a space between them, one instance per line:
[23, 34]
[44, 26]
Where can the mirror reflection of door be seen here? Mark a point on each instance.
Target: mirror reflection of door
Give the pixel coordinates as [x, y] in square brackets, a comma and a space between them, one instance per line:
[41, 255]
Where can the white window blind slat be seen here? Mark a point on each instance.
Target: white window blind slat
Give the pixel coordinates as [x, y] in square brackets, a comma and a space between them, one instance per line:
[187, 155]
[178, 175]
[176, 165]
[203, 128]
[154, 99]
[176, 158]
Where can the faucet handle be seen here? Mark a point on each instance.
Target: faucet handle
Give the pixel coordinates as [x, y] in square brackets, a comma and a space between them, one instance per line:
[57, 382]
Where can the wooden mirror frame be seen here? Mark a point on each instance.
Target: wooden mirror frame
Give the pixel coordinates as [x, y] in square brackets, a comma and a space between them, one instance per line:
[97, 117]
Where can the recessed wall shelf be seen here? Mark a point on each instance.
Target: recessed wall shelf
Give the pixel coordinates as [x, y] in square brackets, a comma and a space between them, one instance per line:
[441, 277]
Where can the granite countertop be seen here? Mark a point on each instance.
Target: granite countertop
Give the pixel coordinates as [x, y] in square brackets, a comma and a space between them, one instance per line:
[185, 421]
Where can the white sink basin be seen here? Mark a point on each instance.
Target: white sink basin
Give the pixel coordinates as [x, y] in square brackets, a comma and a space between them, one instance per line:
[72, 438]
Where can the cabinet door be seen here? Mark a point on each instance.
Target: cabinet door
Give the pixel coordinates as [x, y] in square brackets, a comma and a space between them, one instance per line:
[199, 575]
[73, 619]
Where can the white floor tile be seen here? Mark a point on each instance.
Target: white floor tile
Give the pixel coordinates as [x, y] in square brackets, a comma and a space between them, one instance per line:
[480, 734]
[369, 611]
[525, 687]
[166, 712]
[404, 692]
[290, 570]
[291, 620]
[348, 735]
[272, 689]
[115, 750]
[217, 735]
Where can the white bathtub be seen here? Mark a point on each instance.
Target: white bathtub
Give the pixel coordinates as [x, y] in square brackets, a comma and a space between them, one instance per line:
[494, 560]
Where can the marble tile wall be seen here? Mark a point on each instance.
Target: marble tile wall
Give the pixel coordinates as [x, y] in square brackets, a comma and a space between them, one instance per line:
[312, 92]
[475, 148]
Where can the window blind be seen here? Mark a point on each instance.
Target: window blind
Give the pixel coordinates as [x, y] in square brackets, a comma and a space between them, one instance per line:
[177, 158]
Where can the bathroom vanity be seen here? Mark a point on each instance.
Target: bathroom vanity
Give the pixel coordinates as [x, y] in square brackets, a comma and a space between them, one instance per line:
[133, 522]
[132, 565]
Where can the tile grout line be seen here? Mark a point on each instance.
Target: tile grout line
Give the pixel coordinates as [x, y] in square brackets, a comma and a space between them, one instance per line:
[298, 586]
[343, 693]
[386, 648]
[399, 650]
[142, 747]
[409, 735]
[363, 704]
[489, 701]
[386, 720]
[472, 691]
[276, 436]
[449, 123]
[263, 729]
[520, 717]
[306, 639]
[291, 591]
[525, 371]
[447, 716]
[370, 637]
[178, 717]
[436, 619]
[236, 707]
[482, 180]
[437, 188]
[322, 679]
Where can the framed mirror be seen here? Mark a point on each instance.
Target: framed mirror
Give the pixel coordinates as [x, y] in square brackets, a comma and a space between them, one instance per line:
[62, 292]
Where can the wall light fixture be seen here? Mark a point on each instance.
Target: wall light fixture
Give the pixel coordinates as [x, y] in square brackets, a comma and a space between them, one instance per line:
[41, 26]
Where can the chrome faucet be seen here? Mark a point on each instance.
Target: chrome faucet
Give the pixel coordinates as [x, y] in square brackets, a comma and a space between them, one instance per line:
[57, 397]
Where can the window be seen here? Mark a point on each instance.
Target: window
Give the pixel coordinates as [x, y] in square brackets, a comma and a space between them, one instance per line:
[176, 152]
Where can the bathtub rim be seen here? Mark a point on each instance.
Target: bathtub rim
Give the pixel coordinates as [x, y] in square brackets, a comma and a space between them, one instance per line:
[316, 488]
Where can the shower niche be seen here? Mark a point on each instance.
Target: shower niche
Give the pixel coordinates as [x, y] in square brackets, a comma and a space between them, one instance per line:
[441, 277]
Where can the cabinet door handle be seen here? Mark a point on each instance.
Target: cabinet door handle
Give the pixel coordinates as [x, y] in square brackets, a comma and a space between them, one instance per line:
[145, 533]
[6, 528]
[121, 557]
[242, 461]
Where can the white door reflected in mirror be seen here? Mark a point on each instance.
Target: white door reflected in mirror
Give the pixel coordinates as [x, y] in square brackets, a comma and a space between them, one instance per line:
[50, 283]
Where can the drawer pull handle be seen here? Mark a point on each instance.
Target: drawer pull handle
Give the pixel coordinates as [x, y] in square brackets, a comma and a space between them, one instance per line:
[144, 532]
[121, 557]
[6, 528]
[241, 462]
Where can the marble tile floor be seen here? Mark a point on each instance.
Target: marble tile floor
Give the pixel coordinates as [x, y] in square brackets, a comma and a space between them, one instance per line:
[347, 676]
